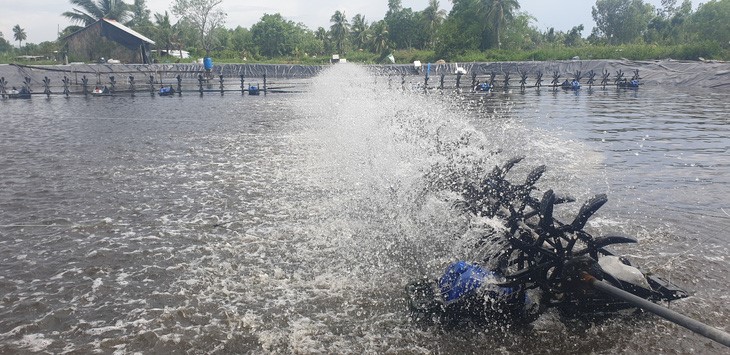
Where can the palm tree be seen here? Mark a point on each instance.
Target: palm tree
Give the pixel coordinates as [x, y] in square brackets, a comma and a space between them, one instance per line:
[164, 34]
[500, 12]
[93, 10]
[339, 30]
[359, 31]
[322, 35]
[19, 35]
[380, 42]
[434, 17]
[140, 15]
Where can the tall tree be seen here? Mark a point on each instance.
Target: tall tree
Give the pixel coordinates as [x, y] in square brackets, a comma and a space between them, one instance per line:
[394, 6]
[622, 21]
[668, 26]
[274, 36]
[574, 36]
[404, 26]
[433, 17]
[140, 15]
[241, 39]
[380, 42]
[205, 16]
[4, 44]
[463, 30]
[711, 22]
[19, 35]
[339, 30]
[164, 32]
[359, 31]
[500, 13]
[90, 11]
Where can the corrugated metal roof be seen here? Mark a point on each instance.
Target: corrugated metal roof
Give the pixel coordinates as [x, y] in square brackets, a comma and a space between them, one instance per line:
[128, 30]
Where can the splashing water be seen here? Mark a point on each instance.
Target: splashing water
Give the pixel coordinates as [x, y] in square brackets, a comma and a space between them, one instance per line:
[284, 224]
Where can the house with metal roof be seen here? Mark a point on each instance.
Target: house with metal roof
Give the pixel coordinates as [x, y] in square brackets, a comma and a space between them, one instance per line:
[108, 39]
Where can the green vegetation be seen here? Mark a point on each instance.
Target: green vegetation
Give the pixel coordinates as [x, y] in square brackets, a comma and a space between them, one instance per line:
[474, 30]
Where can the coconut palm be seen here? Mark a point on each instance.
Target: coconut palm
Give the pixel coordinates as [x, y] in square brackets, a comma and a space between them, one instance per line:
[359, 31]
[92, 10]
[339, 30]
[380, 36]
[322, 35]
[164, 34]
[19, 35]
[498, 13]
[433, 17]
[140, 15]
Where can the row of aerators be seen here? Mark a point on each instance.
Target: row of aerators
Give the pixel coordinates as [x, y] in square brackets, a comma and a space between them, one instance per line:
[68, 87]
[489, 82]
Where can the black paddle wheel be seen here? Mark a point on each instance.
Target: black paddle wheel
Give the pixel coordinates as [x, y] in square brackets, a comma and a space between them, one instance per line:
[535, 259]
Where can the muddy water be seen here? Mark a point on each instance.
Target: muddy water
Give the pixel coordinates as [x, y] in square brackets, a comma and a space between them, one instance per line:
[290, 223]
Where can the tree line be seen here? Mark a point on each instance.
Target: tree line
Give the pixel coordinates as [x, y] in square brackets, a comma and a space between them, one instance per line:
[472, 29]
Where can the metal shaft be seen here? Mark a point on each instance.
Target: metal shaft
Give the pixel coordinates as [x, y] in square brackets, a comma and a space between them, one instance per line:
[666, 313]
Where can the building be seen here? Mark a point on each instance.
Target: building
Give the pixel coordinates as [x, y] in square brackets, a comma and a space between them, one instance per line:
[108, 39]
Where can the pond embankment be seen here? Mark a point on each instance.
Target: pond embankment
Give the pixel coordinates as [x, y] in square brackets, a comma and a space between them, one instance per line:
[703, 74]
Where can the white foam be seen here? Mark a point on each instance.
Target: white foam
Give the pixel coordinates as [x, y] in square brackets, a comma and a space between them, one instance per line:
[34, 342]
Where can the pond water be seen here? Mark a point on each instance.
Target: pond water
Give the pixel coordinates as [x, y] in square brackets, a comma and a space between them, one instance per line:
[290, 223]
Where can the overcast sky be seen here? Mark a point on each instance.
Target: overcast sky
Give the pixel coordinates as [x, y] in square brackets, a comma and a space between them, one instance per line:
[41, 19]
